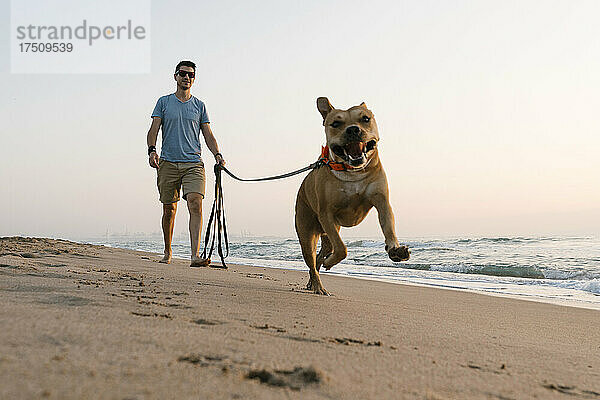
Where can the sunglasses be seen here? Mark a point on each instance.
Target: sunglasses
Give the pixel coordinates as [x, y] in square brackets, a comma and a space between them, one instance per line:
[191, 74]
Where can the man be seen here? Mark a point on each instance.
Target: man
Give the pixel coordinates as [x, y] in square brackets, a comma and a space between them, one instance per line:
[182, 117]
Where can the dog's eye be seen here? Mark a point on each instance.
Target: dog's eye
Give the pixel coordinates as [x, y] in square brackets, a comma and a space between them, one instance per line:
[335, 124]
[365, 119]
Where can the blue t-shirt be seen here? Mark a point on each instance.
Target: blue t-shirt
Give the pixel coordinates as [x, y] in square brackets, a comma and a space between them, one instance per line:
[180, 127]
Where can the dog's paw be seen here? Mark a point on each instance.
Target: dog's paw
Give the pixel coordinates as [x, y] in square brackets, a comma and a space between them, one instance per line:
[321, 260]
[399, 253]
[317, 288]
[321, 291]
[331, 260]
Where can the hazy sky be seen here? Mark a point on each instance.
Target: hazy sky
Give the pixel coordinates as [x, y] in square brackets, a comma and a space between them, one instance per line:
[487, 111]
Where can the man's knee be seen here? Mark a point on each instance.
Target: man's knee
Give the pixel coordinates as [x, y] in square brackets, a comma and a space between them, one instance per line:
[169, 209]
[194, 202]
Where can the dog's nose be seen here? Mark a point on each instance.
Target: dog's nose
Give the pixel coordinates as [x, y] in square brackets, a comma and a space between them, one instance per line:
[353, 130]
[353, 133]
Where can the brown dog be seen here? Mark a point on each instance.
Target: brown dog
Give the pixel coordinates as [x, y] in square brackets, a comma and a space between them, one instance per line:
[342, 192]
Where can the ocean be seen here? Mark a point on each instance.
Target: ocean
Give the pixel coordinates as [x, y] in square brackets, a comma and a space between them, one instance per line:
[560, 270]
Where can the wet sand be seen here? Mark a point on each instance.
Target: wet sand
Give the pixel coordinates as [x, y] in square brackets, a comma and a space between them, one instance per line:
[82, 321]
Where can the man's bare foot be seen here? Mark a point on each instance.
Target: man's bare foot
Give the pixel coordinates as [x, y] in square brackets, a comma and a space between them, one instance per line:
[200, 262]
[166, 259]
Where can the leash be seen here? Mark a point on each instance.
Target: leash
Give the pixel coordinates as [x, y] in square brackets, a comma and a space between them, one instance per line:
[216, 223]
[314, 165]
[216, 229]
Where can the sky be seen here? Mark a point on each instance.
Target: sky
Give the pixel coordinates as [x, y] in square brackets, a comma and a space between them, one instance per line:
[487, 113]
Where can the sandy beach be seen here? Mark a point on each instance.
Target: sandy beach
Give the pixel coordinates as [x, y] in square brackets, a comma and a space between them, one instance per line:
[83, 321]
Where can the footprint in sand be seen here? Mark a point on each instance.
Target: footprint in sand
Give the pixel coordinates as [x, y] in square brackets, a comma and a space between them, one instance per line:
[294, 379]
[206, 322]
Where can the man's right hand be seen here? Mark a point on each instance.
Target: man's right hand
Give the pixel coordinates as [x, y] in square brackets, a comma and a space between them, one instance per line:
[153, 160]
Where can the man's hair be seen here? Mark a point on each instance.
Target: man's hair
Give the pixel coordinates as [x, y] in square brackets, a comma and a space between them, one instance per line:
[185, 64]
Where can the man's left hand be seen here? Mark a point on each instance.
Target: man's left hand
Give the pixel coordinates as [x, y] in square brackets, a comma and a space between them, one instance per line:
[220, 160]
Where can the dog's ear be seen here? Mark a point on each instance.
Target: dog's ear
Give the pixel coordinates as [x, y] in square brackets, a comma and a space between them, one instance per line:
[363, 105]
[324, 106]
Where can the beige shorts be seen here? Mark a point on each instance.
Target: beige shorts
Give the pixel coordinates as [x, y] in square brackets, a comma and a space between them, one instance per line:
[171, 176]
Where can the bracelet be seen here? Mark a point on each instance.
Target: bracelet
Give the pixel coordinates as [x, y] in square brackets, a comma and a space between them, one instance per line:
[151, 149]
[218, 154]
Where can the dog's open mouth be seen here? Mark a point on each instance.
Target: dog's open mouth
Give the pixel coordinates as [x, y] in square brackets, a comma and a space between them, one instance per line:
[354, 153]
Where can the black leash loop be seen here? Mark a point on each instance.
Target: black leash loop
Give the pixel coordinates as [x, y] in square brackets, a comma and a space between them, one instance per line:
[216, 229]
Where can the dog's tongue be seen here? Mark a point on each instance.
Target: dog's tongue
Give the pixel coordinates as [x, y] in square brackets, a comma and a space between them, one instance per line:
[355, 149]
